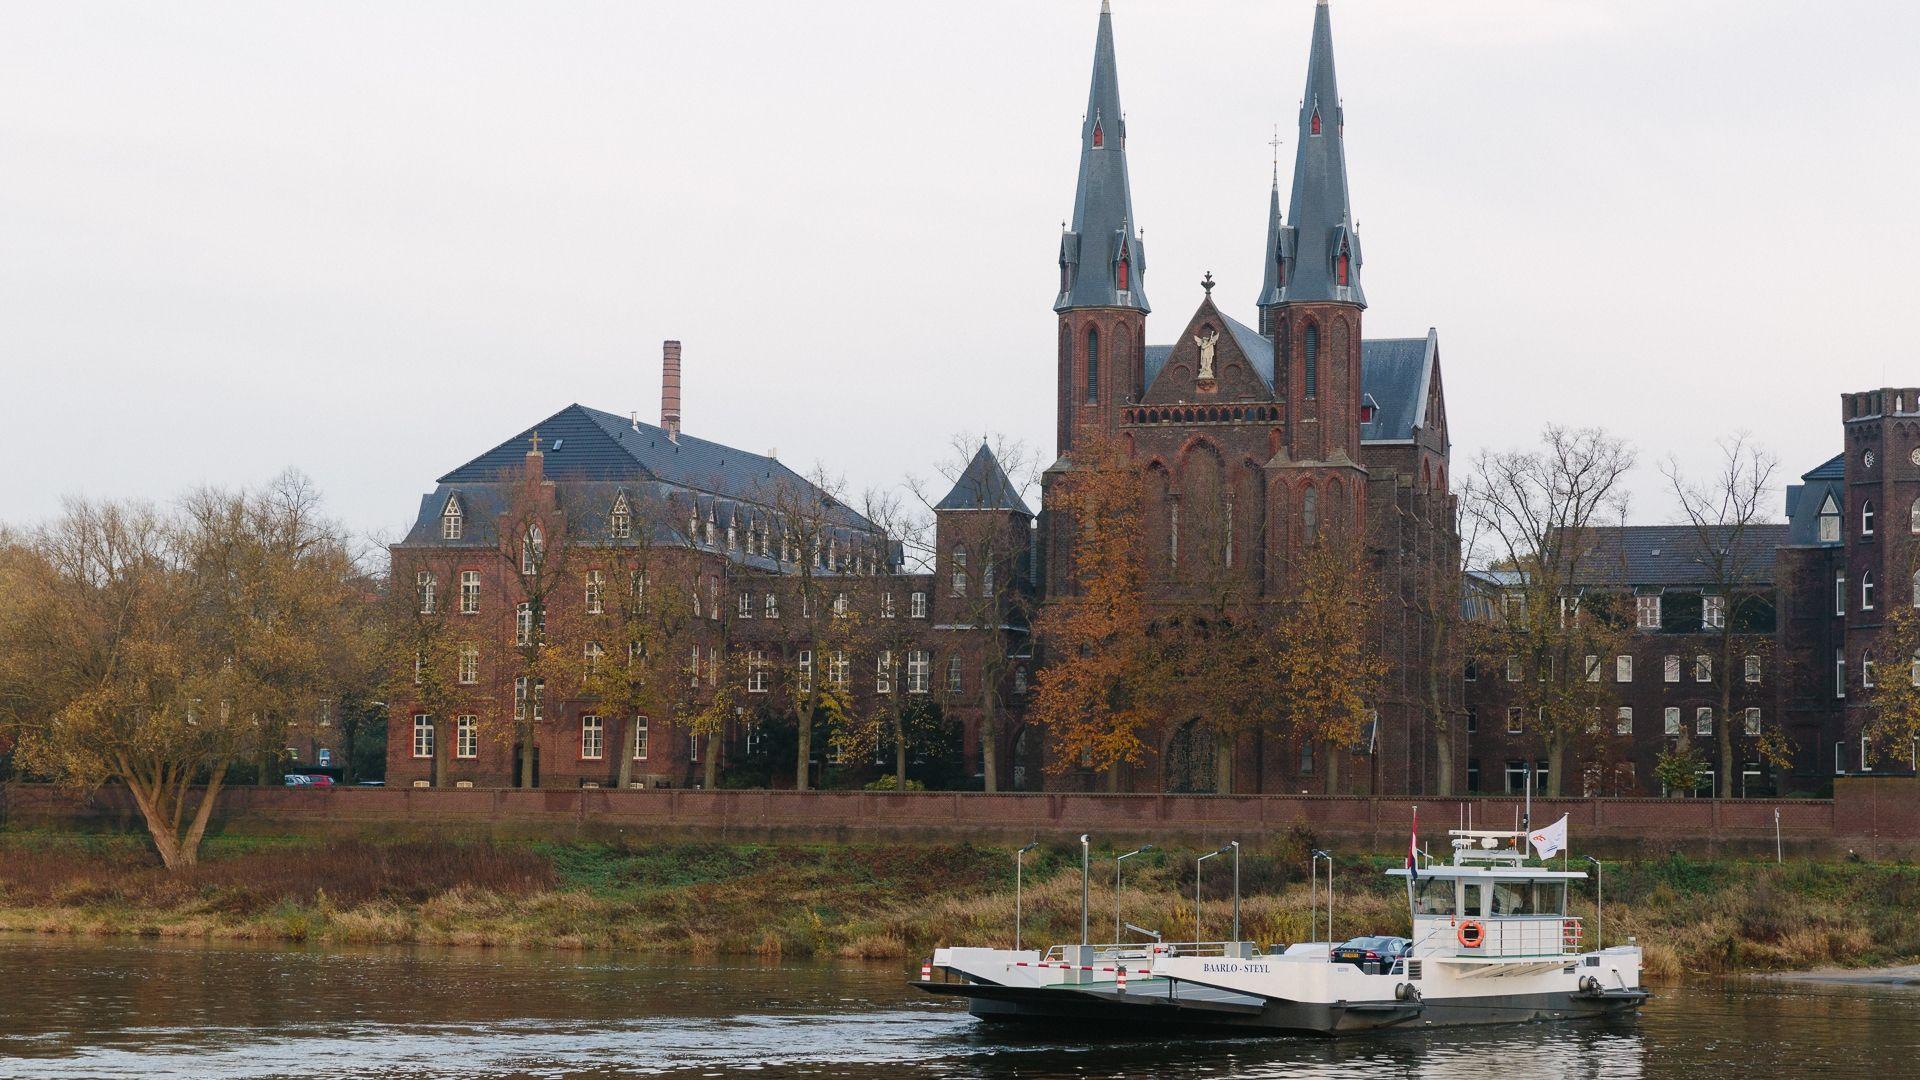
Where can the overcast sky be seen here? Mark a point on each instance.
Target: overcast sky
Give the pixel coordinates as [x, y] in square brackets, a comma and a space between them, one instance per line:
[372, 240]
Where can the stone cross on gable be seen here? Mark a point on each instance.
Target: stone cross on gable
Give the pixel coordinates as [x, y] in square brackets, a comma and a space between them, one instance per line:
[535, 441]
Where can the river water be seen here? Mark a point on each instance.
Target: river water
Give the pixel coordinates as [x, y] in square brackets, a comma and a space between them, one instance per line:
[154, 1009]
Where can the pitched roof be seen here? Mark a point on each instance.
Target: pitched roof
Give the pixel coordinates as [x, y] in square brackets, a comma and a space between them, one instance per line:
[1257, 347]
[983, 485]
[1396, 373]
[1834, 468]
[1632, 555]
[1103, 222]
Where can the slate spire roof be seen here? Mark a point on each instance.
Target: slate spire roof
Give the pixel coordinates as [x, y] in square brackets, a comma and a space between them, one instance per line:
[1270, 286]
[983, 485]
[1103, 233]
[1320, 213]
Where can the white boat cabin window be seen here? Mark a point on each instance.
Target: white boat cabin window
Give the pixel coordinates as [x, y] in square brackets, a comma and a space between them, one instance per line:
[1529, 898]
[1433, 896]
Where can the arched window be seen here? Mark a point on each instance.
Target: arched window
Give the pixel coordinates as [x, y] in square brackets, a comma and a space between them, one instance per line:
[1093, 365]
[531, 548]
[1310, 515]
[1313, 359]
[1913, 517]
[1866, 518]
[1866, 590]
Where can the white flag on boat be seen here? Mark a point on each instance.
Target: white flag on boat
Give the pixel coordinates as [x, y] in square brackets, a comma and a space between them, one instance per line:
[1551, 840]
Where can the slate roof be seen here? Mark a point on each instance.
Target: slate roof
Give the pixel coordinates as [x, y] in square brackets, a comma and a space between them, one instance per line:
[1634, 555]
[983, 485]
[1834, 468]
[1396, 373]
[1804, 501]
[1103, 221]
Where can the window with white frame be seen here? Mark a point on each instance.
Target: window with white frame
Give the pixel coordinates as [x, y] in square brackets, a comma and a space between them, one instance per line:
[1646, 610]
[523, 624]
[883, 673]
[953, 674]
[639, 738]
[733, 537]
[957, 562]
[803, 666]
[757, 671]
[466, 737]
[886, 605]
[1866, 754]
[1593, 668]
[532, 550]
[1866, 590]
[1829, 520]
[419, 668]
[1671, 721]
[592, 654]
[838, 668]
[1839, 673]
[1753, 721]
[1623, 720]
[836, 752]
[746, 606]
[469, 592]
[426, 591]
[707, 529]
[1513, 605]
[1670, 668]
[839, 605]
[713, 665]
[919, 671]
[422, 735]
[1866, 518]
[620, 522]
[1753, 669]
[1515, 720]
[756, 739]
[596, 593]
[1866, 671]
[592, 732]
[1713, 612]
[1703, 668]
[713, 598]
[1569, 611]
[772, 607]
[917, 605]
[1703, 720]
[452, 519]
[1513, 669]
[469, 665]
[1839, 592]
[1623, 669]
[693, 747]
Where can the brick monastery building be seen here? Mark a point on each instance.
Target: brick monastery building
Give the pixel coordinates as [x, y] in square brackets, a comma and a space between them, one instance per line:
[1251, 438]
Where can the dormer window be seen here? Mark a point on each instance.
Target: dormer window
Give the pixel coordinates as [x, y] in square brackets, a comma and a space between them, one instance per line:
[620, 522]
[1343, 266]
[1121, 275]
[453, 520]
[1099, 136]
[1830, 521]
[1280, 269]
[1066, 278]
[1316, 120]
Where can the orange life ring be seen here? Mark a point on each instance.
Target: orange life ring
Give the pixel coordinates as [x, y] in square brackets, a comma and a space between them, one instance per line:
[1471, 929]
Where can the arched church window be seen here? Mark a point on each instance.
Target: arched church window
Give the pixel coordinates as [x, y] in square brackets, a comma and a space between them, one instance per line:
[1866, 518]
[1093, 365]
[1313, 359]
[1310, 515]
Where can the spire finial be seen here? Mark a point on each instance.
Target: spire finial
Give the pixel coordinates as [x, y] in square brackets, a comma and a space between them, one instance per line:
[1275, 143]
[1207, 284]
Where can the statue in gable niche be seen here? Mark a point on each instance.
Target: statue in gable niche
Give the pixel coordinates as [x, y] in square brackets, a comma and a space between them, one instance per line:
[1206, 340]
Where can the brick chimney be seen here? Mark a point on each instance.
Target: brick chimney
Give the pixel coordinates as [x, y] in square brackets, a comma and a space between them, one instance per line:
[670, 389]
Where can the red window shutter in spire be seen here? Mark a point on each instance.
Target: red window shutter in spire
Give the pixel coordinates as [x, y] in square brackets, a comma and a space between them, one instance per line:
[1123, 275]
[1316, 125]
[1100, 137]
[1340, 269]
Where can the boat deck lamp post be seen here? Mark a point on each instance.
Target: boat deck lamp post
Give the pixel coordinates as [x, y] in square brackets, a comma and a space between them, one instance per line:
[1019, 858]
[1116, 886]
[1196, 891]
[1083, 888]
[1235, 845]
[1599, 907]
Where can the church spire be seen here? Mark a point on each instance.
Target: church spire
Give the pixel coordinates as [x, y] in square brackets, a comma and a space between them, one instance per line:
[1102, 261]
[1318, 254]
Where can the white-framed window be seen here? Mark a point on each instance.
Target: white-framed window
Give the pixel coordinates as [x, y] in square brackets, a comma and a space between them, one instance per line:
[596, 593]
[1839, 592]
[620, 522]
[1713, 612]
[592, 733]
[469, 592]
[757, 671]
[523, 624]
[522, 699]
[1753, 669]
[419, 668]
[693, 747]
[639, 738]
[838, 668]
[713, 665]
[1671, 719]
[1866, 754]
[883, 673]
[919, 671]
[422, 735]
[713, 598]
[1623, 720]
[1569, 611]
[1753, 721]
[1513, 669]
[954, 669]
[1516, 720]
[1866, 671]
[733, 537]
[1839, 673]
[1703, 668]
[986, 576]
[592, 654]
[755, 738]
[466, 737]
[958, 564]
[1623, 669]
[772, 606]
[803, 665]
[707, 533]
[745, 607]
[886, 606]
[836, 752]
[1670, 668]
[1830, 520]
[426, 591]
[1513, 605]
[1866, 590]
[839, 605]
[917, 605]
[452, 519]
[1703, 720]
[1866, 518]
[1646, 612]
[532, 549]
[1593, 668]
[469, 665]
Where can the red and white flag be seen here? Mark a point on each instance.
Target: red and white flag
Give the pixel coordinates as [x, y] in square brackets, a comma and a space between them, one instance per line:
[1413, 848]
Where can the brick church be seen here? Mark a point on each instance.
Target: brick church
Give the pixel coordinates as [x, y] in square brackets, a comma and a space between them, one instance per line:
[1257, 434]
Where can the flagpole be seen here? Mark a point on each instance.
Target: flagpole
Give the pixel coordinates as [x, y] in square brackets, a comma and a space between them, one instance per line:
[1413, 849]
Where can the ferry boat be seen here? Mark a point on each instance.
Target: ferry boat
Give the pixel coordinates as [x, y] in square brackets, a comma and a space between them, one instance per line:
[1492, 944]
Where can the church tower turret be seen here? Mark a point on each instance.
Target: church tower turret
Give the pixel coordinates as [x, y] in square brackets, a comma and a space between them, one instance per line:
[1102, 303]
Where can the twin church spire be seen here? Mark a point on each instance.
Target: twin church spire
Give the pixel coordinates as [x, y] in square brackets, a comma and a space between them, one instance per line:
[1313, 254]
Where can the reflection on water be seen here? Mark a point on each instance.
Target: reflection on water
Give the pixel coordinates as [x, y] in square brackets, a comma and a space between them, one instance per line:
[163, 1010]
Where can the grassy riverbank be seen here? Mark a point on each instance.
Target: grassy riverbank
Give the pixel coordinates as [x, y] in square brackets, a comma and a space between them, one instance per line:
[875, 900]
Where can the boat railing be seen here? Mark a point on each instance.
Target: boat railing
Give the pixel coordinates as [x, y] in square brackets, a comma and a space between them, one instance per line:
[1144, 951]
[1527, 935]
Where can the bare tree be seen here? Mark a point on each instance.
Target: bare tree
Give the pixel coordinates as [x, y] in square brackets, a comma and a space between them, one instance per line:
[1722, 512]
